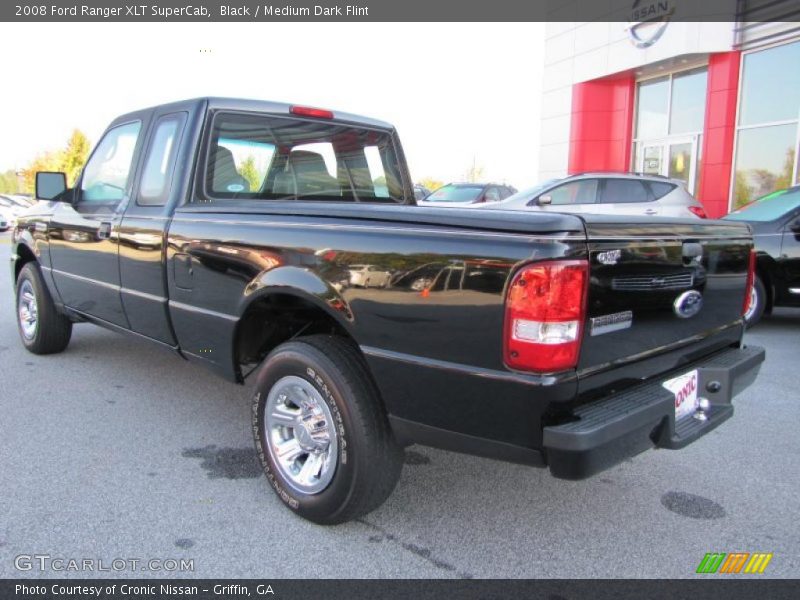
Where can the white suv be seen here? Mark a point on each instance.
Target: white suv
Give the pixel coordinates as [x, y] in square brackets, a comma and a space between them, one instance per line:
[608, 193]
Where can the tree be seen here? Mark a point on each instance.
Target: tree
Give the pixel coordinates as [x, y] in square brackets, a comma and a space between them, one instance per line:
[475, 173]
[46, 161]
[430, 183]
[743, 193]
[69, 160]
[249, 171]
[75, 155]
[9, 183]
[784, 180]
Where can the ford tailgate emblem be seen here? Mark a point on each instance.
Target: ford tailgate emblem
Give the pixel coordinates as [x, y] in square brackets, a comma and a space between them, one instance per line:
[609, 257]
[688, 304]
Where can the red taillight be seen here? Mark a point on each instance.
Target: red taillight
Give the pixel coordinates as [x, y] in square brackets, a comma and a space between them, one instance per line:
[545, 311]
[698, 211]
[751, 280]
[308, 111]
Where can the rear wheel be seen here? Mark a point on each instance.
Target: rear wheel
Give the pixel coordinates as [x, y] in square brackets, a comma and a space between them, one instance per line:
[321, 433]
[42, 328]
[758, 303]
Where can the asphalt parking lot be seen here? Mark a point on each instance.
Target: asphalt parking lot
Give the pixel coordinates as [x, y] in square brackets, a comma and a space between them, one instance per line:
[114, 449]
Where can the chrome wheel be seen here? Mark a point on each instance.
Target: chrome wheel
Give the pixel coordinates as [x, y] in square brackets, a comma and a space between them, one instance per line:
[751, 309]
[27, 310]
[301, 435]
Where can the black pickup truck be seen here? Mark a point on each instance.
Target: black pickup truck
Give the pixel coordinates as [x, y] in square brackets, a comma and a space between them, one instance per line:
[254, 237]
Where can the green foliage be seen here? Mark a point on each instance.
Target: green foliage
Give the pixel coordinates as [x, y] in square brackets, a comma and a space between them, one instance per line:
[431, 183]
[69, 160]
[475, 173]
[74, 155]
[249, 171]
[9, 182]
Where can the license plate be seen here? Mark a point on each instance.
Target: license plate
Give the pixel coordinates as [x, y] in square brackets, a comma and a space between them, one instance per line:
[684, 387]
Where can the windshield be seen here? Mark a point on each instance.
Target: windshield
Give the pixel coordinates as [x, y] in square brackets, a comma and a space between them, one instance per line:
[456, 193]
[768, 208]
[529, 193]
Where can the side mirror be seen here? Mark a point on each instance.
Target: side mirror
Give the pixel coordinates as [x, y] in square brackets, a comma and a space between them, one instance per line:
[50, 184]
[795, 225]
[544, 200]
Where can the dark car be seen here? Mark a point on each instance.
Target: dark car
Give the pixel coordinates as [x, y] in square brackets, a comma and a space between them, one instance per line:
[776, 229]
[465, 194]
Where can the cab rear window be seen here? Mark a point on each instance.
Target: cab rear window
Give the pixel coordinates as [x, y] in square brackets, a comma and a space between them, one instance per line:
[275, 158]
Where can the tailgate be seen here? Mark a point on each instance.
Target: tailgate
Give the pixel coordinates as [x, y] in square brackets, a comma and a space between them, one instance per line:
[657, 287]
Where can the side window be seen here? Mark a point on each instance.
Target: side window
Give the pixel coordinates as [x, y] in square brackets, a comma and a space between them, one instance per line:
[240, 165]
[160, 162]
[377, 173]
[661, 189]
[624, 191]
[492, 195]
[583, 191]
[107, 174]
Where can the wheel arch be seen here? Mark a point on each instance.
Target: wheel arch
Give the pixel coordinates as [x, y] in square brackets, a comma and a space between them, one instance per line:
[24, 255]
[764, 273]
[275, 314]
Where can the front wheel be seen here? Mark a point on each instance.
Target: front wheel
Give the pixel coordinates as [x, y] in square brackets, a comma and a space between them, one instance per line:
[321, 433]
[42, 328]
[758, 303]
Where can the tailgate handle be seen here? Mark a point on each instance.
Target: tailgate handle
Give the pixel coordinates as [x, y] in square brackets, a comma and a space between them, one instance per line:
[692, 250]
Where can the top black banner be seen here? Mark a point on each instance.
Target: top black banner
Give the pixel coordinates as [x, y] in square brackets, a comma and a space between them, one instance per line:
[634, 11]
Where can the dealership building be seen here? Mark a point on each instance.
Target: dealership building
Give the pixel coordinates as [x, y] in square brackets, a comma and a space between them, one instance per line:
[716, 105]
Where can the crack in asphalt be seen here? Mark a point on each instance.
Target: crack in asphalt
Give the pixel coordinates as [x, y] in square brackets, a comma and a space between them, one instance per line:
[420, 551]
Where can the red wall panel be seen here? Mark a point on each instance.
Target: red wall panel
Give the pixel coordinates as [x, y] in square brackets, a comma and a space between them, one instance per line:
[602, 124]
[720, 127]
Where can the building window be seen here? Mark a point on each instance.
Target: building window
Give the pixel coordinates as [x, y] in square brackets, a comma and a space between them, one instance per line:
[767, 132]
[670, 114]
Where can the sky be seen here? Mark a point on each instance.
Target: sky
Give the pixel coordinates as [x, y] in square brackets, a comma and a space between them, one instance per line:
[457, 93]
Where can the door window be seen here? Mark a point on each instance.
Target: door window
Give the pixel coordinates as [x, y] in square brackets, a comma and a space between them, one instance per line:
[574, 192]
[107, 174]
[160, 161]
[618, 191]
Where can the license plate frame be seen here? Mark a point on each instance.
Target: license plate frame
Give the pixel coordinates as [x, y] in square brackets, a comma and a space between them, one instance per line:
[685, 390]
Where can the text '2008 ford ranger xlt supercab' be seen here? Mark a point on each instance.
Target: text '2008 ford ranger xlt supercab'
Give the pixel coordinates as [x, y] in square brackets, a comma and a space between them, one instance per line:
[283, 240]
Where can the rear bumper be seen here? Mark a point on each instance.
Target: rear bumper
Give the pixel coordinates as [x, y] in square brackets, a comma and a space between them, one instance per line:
[615, 428]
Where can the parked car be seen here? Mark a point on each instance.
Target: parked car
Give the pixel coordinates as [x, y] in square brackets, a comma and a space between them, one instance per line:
[369, 276]
[12, 206]
[467, 194]
[558, 340]
[609, 193]
[420, 192]
[6, 220]
[775, 220]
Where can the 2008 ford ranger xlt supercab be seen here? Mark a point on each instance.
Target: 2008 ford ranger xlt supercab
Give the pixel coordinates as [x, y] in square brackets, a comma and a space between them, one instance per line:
[283, 240]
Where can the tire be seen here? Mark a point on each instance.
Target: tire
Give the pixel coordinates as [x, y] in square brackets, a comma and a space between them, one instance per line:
[50, 330]
[758, 303]
[303, 385]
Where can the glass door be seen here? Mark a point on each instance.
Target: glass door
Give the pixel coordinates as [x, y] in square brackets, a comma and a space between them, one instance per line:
[675, 158]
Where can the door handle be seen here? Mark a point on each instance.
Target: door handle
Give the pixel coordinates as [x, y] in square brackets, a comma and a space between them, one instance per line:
[104, 231]
[651, 211]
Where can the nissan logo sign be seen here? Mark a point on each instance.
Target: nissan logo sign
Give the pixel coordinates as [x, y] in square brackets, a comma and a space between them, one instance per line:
[648, 20]
[688, 304]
